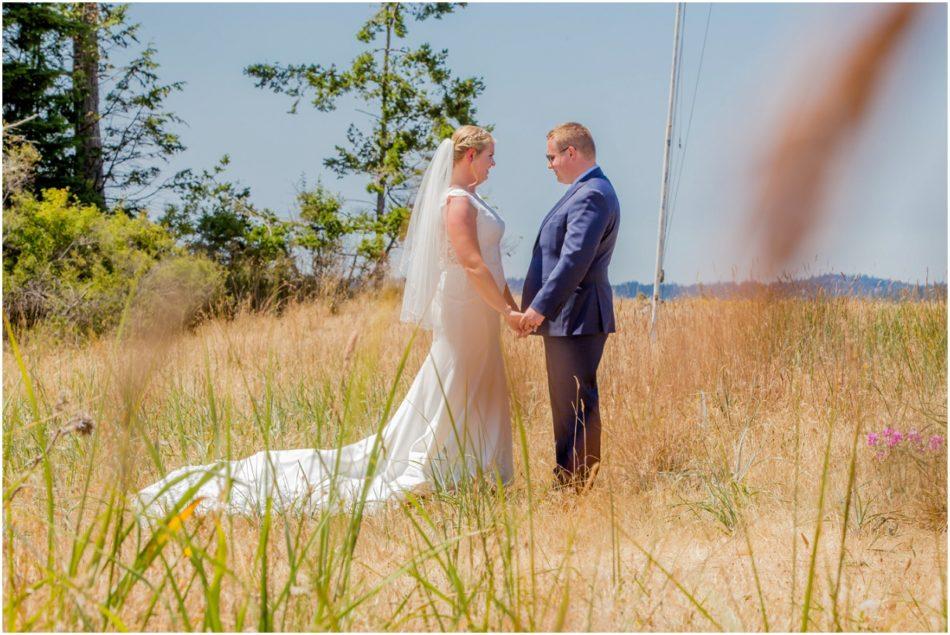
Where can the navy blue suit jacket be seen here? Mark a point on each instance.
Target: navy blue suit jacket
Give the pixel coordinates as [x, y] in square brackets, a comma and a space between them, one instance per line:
[567, 279]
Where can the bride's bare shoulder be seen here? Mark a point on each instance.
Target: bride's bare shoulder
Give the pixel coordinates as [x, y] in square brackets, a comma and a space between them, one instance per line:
[458, 202]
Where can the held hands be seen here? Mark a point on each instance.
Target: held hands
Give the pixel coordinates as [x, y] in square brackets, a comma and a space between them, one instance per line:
[525, 323]
[530, 321]
[513, 319]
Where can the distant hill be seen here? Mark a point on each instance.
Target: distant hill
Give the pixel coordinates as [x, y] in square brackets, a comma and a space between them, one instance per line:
[828, 284]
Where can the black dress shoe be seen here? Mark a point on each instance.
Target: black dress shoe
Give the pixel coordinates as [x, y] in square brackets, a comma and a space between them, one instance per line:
[580, 481]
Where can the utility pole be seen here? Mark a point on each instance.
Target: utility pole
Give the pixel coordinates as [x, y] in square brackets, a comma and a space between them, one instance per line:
[665, 183]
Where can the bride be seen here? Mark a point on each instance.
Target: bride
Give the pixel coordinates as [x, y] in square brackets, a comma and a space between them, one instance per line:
[454, 422]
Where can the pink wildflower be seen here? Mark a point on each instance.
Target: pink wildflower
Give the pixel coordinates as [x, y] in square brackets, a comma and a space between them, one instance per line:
[891, 436]
[915, 438]
[873, 439]
[936, 442]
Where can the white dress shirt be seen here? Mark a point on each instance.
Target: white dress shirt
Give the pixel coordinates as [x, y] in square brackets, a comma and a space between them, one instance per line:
[584, 174]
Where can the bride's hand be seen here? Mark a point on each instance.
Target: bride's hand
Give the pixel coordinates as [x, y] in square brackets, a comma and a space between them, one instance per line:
[513, 318]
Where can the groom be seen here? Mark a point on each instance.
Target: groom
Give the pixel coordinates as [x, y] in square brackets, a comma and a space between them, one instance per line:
[567, 297]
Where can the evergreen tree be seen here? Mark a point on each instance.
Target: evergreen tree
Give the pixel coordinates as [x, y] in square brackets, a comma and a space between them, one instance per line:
[101, 130]
[415, 102]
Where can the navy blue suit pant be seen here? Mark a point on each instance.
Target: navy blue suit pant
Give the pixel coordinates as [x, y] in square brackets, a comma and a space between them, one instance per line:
[572, 363]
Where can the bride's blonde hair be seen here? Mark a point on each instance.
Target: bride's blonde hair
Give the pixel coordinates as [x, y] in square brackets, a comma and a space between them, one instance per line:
[469, 137]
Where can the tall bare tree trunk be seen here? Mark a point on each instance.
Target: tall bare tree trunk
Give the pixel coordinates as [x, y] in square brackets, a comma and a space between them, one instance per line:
[86, 85]
[381, 264]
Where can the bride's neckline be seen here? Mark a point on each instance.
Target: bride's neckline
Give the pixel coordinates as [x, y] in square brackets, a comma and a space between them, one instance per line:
[472, 194]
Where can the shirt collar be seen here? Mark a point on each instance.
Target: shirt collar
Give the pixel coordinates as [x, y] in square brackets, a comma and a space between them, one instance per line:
[595, 166]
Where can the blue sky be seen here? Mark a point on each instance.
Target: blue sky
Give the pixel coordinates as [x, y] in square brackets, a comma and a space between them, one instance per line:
[606, 65]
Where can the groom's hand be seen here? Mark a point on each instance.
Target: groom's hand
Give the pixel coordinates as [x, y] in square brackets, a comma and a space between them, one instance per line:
[530, 321]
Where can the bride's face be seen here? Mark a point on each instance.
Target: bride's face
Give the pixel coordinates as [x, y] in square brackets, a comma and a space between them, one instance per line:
[483, 162]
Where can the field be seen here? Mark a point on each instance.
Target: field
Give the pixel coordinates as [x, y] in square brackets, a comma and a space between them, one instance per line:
[740, 489]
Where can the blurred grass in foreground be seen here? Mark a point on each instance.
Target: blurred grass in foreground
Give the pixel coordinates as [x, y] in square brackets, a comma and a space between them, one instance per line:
[737, 493]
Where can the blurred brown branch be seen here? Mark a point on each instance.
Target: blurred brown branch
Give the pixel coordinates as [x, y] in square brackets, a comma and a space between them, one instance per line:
[788, 207]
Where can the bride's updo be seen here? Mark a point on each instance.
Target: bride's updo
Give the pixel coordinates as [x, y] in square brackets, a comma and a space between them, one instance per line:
[469, 137]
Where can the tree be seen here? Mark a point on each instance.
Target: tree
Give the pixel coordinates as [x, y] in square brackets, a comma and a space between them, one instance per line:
[216, 219]
[414, 102]
[137, 126]
[101, 130]
[36, 86]
[19, 162]
[322, 228]
[86, 92]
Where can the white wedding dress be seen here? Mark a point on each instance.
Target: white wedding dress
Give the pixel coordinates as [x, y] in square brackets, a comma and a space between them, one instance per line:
[453, 423]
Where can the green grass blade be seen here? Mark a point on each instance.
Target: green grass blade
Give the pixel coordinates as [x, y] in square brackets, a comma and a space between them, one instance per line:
[810, 579]
[689, 596]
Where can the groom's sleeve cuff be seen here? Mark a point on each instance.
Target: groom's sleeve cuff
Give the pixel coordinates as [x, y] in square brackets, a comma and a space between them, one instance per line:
[543, 311]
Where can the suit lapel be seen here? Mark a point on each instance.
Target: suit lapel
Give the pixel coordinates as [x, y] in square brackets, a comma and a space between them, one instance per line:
[557, 206]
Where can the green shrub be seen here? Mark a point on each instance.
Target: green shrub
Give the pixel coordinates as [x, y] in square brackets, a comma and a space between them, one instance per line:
[19, 162]
[177, 292]
[74, 265]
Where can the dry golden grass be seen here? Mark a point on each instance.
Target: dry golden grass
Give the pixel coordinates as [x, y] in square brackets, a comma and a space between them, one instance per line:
[712, 509]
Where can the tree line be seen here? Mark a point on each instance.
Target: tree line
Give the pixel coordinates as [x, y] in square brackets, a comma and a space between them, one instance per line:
[86, 140]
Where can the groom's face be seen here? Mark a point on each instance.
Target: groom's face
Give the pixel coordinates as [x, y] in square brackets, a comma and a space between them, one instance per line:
[559, 161]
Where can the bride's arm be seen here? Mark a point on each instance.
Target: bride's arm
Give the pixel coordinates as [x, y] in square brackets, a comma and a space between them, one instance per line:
[510, 299]
[463, 236]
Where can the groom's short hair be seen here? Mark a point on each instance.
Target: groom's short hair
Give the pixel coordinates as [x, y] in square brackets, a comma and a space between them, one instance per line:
[574, 134]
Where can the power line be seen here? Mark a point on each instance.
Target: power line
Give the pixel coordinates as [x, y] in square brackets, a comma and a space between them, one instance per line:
[689, 124]
[675, 157]
[674, 118]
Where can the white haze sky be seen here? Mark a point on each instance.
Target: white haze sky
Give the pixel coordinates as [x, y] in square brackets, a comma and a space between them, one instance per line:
[606, 65]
